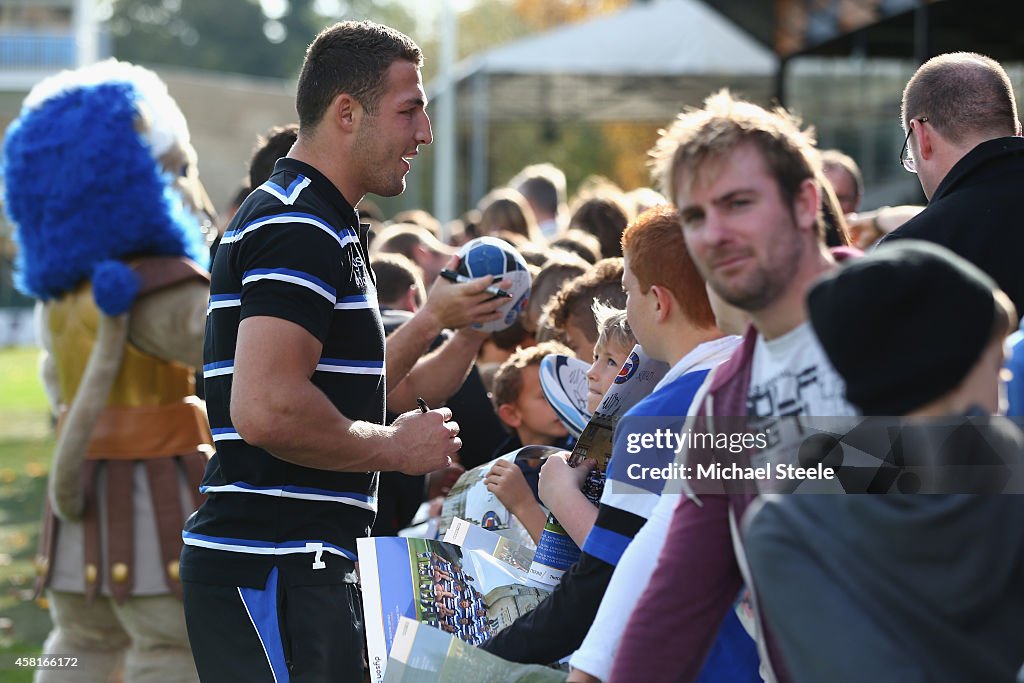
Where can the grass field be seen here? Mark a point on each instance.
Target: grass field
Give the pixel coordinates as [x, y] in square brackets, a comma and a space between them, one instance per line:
[26, 443]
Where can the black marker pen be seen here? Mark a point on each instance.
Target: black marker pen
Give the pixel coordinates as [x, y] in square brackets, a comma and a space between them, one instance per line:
[455, 277]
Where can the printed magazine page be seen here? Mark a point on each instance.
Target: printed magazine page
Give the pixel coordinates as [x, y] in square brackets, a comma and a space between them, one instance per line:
[422, 654]
[471, 537]
[467, 593]
[470, 500]
[556, 551]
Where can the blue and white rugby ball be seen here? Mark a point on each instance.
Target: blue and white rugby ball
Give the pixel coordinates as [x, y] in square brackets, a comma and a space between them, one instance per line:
[493, 256]
[563, 380]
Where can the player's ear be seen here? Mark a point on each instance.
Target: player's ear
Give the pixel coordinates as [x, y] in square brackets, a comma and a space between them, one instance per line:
[345, 111]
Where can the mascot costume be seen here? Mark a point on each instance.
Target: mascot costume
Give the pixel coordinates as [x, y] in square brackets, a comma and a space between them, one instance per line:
[102, 188]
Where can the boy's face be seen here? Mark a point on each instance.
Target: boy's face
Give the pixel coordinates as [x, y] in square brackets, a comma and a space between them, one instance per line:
[608, 358]
[538, 423]
[576, 339]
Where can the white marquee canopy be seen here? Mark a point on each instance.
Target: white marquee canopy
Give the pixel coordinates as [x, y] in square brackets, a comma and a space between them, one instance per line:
[643, 63]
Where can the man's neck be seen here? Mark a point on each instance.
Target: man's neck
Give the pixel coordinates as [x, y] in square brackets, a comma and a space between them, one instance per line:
[684, 339]
[945, 159]
[948, 155]
[789, 310]
[314, 152]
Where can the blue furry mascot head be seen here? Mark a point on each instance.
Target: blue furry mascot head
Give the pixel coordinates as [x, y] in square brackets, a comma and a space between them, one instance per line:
[98, 169]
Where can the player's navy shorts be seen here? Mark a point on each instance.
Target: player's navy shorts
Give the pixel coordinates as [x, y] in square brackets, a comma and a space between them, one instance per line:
[277, 634]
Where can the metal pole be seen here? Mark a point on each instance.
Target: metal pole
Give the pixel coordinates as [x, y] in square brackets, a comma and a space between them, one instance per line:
[479, 145]
[780, 81]
[922, 50]
[86, 49]
[445, 147]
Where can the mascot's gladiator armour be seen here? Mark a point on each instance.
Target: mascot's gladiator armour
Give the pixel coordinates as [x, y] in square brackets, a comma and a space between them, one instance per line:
[102, 188]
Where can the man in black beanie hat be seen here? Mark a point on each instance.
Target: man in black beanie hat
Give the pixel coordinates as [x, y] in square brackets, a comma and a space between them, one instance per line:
[904, 587]
[938, 317]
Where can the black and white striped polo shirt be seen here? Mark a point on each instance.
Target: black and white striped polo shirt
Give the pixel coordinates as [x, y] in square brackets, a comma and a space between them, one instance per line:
[295, 250]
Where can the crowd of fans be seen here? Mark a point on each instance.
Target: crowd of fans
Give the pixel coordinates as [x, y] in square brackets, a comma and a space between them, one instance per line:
[753, 272]
[711, 276]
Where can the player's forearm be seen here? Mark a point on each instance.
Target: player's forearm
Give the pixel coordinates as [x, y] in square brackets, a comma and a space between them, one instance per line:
[436, 377]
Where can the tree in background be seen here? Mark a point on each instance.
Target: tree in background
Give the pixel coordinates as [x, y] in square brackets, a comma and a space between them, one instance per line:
[544, 14]
[267, 38]
[486, 24]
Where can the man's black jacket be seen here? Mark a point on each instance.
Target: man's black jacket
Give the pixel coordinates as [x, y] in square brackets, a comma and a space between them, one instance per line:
[977, 211]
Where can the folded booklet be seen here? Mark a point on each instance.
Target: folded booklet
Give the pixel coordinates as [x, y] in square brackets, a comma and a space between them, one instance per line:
[422, 654]
[469, 499]
[471, 537]
[467, 592]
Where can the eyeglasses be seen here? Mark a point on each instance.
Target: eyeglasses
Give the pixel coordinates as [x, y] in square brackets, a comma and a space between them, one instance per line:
[906, 158]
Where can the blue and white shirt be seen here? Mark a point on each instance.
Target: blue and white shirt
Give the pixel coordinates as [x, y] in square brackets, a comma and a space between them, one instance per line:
[625, 505]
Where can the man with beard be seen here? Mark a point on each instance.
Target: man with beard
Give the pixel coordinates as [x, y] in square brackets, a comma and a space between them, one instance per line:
[744, 181]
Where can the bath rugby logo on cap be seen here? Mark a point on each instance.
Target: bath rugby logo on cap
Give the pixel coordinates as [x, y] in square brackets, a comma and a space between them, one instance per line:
[628, 368]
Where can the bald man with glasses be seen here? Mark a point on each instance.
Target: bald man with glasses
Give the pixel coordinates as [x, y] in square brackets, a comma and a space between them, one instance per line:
[963, 142]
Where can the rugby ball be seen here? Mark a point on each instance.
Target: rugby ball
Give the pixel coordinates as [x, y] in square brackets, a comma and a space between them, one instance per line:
[496, 257]
[564, 382]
